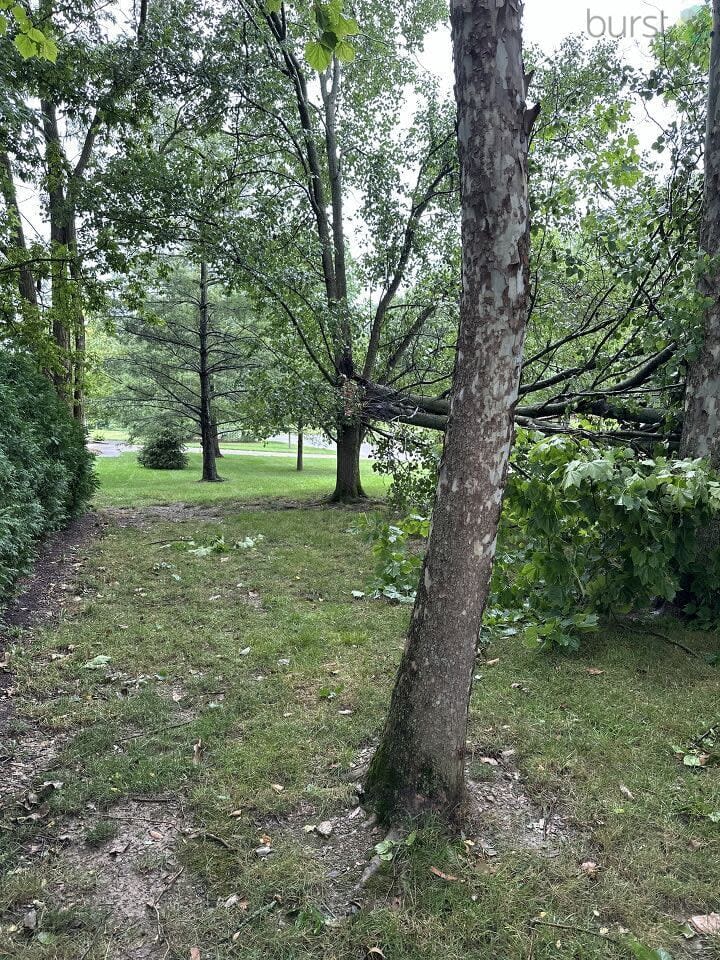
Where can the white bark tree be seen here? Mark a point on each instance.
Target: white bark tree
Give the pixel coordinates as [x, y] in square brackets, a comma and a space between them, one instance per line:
[420, 763]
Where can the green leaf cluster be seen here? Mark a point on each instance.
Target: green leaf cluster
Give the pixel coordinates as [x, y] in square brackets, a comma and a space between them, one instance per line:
[586, 532]
[29, 41]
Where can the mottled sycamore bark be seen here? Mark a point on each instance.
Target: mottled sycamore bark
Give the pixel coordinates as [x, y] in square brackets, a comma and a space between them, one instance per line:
[420, 762]
[701, 429]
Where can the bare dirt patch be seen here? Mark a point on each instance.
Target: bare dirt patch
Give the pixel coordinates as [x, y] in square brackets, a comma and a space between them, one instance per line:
[26, 750]
[128, 877]
[500, 819]
[136, 876]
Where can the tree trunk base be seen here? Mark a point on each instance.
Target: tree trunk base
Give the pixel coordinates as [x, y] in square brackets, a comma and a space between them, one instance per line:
[395, 788]
[348, 497]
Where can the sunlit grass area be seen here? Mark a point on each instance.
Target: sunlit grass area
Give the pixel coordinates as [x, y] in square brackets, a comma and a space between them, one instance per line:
[123, 482]
[261, 654]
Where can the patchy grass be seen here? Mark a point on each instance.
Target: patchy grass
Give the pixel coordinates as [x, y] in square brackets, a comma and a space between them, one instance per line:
[231, 675]
[124, 483]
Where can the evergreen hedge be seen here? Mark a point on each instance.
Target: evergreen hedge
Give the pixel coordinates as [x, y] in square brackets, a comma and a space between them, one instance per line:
[46, 472]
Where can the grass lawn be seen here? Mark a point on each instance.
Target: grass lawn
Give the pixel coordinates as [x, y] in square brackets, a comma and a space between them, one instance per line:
[241, 690]
[124, 483]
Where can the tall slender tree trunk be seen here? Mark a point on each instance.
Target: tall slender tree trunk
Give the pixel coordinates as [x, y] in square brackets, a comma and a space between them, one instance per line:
[26, 280]
[420, 762]
[348, 486]
[216, 430]
[208, 433]
[701, 428]
[300, 443]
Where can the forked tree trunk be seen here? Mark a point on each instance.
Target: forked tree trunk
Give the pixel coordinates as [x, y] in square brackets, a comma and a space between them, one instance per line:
[348, 486]
[420, 762]
[701, 428]
[208, 432]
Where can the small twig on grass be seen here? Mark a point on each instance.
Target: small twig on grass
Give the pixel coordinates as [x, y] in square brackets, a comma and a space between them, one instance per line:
[261, 911]
[110, 816]
[710, 730]
[216, 839]
[170, 884]
[572, 929]
[665, 639]
[152, 733]
[165, 543]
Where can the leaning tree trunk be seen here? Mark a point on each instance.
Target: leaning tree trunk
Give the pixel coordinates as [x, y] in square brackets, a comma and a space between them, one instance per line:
[701, 428]
[207, 427]
[348, 486]
[420, 762]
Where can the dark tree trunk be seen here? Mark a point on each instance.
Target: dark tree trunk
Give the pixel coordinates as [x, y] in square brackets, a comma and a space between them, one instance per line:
[208, 432]
[701, 428]
[300, 448]
[420, 762]
[216, 431]
[216, 440]
[26, 280]
[348, 486]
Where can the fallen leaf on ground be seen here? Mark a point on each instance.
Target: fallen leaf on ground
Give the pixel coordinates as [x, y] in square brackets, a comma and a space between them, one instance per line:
[626, 792]
[119, 849]
[375, 952]
[197, 753]
[492, 663]
[443, 876]
[707, 924]
[277, 787]
[490, 761]
[594, 672]
[97, 663]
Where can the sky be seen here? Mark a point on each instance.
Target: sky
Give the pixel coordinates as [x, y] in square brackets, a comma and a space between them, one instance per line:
[547, 22]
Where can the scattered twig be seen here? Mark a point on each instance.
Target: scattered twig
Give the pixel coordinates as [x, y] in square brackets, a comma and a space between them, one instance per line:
[572, 929]
[164, 543]
[216, 839]
[111, 816]
[261, 911]
[152, 733]
[170, 884]
[710, 730]
[665, 639]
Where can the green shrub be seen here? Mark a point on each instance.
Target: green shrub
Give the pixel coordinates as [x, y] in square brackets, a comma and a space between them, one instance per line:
[164, 450]
[46, 473]
[586, 532]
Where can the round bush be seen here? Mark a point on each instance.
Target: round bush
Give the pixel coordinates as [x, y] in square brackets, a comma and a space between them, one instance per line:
[164, 450]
